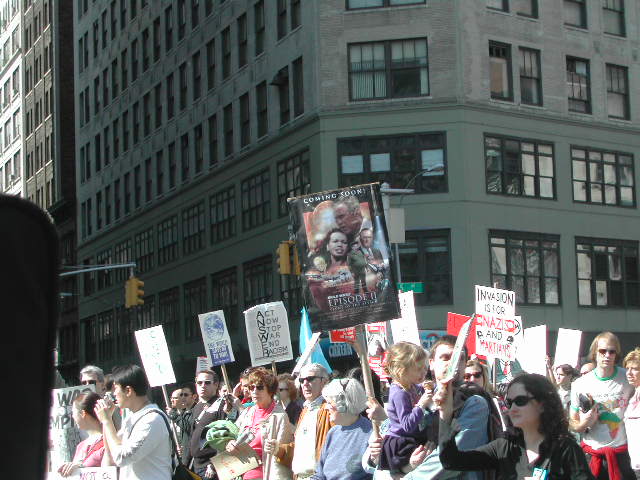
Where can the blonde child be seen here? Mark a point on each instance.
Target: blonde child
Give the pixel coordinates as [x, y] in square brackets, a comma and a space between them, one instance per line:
[406, 364]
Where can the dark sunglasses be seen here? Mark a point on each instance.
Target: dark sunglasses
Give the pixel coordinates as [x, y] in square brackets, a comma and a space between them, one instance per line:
[604, 351]
[204, 382]
[283, 389]
[519, 401]
[309, 379]
[88, 382]
[468, 376]
[251, 388]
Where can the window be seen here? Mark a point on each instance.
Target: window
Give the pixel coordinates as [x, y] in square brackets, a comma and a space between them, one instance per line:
[502, 5]
[295, 14]
[127, 193]
[526, 8]
[183, 85]
[195, 302]
[617, 92]
[159, 173]
[261, 109]
[145, 50]
[171, 99]
[124, 65]
[193, 228]
[294, 178]
[104, 276]
[208, 7]
[603, 177]
[168, 313]
[196, 75]
[575, 13]
[613, 17]
[156, 39]
[520, 167]
[256, 200]
[579, 85]
[115, 130]
[608, 272]
[282, 82]
[528, 264]
[404, 161]
[198, 149]
[146, 114]
[157, 99]
[168, 240]
[282, 18]
[392, 69]
[242, 40]
[184, 157]
[228, 129]
[182, 19]
[211, 64]
[298, 88]
[213, 140]
[107, 205]
[245, 121]
[99, 207]
[426, 257]
[530, 78]
[195, 13]
[114, 20]
[116, 199]
[258, 15]
[168, 28]
[136, 122]
[105, 87]
[148, 180]
[258, 278]
[137, 187]
[226, 52]
[500, 71]
[171, 161]
[122, 254]
[144, 250]
[224, 295]
[222, 210]
[134, 60]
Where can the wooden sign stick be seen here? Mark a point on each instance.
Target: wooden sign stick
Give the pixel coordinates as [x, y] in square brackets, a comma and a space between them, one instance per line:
[225, 376]
[360, 347]
[173, 426]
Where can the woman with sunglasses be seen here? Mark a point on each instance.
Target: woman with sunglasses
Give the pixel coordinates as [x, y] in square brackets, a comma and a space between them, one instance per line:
[541, 446]
[265, 420]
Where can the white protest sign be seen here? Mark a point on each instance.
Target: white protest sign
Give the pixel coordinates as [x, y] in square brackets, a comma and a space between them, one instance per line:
[498, 330]
[568, 347]
[63, 431]
[155, 356]
[307, 352]
[268, 334]
[454, 362]
[532, 351]
[88, 473]
[202, 363]
[215, 336]
[405, 329]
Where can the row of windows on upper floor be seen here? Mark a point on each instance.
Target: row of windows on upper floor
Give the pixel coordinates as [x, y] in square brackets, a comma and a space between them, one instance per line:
[607, 276]
[8, 10]
[287, 18]
[36, 71]
[10, 172]
[37, 23]
[134, 125]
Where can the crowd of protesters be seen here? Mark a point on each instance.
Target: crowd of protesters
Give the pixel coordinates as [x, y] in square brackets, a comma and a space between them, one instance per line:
[569, 424]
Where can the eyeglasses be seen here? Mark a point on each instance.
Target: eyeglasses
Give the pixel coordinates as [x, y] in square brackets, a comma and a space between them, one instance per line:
[204, 382]
[604, 351]
[255, 387]
[469, 376]
[309, 379]
[519, 401]
[283, 389]
[88, 382]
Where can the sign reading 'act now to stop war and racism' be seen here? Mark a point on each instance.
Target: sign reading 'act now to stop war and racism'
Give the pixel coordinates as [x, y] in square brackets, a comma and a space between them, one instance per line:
[268, 334]
[498, 331]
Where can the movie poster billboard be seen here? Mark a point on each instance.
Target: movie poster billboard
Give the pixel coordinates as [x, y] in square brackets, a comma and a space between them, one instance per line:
[347, 272]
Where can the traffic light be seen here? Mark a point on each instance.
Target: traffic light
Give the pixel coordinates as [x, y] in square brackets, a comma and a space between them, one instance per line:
[284, 259]
[134, 292]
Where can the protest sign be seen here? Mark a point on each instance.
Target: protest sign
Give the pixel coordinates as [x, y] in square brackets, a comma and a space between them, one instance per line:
[268, 334]
[405, 329]
[498, 332]
[87, 473]
[63, 431]
[304, 358]
[347, 269]
[429, 337]
[344, 335]
[202, 363]
[229, 466]
[532, 352]
[455, 321]
[217, 344]
[376, 346]
[568, 347]
[454, 363]
[155, 356]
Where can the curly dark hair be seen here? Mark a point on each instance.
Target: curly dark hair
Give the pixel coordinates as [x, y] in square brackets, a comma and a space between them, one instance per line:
[553, 419]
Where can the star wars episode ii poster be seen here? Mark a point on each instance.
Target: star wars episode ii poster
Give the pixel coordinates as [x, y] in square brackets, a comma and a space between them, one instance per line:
[347, 271]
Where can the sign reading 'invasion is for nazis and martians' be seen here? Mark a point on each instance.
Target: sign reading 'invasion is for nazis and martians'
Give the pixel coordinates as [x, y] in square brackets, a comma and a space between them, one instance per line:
[498, 330]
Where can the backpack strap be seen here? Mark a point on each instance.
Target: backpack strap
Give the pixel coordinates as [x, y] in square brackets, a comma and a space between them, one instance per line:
[174, 451]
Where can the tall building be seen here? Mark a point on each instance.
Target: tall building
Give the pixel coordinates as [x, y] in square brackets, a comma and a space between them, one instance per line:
[514, 122]
[11, 178]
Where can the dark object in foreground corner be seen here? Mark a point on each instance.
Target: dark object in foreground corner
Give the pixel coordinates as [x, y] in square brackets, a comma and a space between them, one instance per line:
[29, 299]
